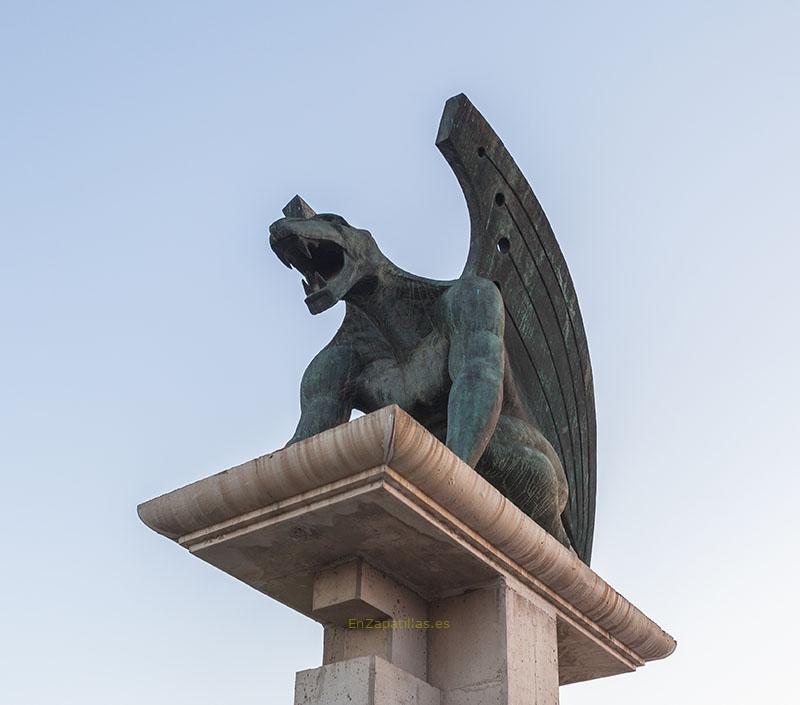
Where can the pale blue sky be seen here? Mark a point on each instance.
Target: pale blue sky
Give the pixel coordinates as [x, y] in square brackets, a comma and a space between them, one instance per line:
[150, 338]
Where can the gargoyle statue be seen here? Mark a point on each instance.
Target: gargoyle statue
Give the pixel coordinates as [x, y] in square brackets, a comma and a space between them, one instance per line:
[495, 364]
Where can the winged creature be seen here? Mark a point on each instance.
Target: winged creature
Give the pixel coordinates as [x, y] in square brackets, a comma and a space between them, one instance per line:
[495, 363]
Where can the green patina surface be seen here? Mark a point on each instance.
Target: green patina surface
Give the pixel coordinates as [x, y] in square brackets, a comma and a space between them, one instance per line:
[494, 363]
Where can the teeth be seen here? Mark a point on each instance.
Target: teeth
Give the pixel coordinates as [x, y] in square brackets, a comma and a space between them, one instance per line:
[317, 282]
[304, 248]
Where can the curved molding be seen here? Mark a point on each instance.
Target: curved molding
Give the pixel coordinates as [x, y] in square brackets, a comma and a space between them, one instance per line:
[391, 437]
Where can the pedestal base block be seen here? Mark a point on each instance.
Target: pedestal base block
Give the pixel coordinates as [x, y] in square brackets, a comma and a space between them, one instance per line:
[368, 680]
[366, 613]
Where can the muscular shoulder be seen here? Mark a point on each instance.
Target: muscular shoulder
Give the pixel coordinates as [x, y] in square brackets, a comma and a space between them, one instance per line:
[474, 302]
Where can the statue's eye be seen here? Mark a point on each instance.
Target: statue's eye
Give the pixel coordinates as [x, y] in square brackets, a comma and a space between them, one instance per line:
[333, 218]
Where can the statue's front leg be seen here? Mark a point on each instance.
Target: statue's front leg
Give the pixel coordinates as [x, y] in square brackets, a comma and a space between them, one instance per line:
[327, 392]
[476, 318]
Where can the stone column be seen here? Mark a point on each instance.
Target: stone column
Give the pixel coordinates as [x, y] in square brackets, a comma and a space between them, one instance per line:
[496, 643]
[501, 647]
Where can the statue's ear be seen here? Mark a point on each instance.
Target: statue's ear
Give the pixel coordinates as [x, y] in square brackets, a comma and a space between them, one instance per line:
[298, 208]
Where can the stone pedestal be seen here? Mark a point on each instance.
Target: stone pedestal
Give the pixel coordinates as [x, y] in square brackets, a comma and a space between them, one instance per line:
[433, 589]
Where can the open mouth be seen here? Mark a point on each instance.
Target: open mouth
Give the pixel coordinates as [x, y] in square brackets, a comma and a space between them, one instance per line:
[319, 261]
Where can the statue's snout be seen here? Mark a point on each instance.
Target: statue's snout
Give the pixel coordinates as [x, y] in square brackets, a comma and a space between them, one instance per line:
[280, 229]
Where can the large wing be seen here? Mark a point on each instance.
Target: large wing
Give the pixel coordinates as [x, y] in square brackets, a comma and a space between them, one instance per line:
[512, 244]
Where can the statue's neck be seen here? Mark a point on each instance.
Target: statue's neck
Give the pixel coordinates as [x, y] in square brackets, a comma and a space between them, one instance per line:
[392, 301]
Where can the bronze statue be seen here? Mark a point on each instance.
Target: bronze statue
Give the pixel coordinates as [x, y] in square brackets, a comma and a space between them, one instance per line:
[495, 364]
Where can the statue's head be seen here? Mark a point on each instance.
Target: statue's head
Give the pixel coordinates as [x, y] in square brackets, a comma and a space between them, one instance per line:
[333, 256]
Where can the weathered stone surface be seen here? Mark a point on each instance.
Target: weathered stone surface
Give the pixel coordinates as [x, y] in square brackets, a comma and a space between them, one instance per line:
[351, 598]
[500, 647]
[369, 680]
[383, 489]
